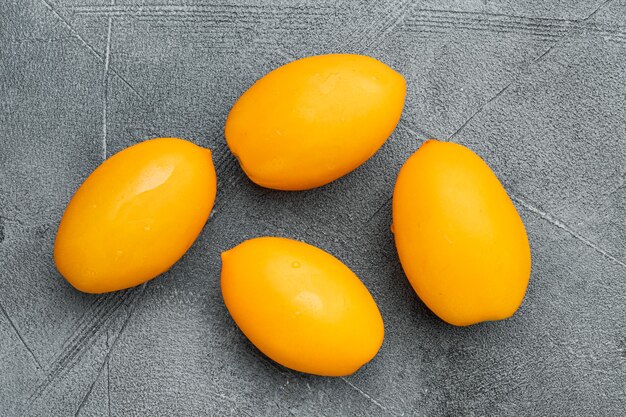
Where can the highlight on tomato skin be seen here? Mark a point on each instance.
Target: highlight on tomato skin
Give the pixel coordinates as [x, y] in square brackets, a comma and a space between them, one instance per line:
[313, 120]
[135, 215]
[301, 306]
[460, 239]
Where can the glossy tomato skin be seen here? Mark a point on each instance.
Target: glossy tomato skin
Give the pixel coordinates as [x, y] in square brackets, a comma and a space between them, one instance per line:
[301, 306]
[314, 120]
[460, 240]
[135, 215]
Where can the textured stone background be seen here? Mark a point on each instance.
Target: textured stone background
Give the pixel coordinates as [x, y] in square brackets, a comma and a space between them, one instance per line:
[537, 88]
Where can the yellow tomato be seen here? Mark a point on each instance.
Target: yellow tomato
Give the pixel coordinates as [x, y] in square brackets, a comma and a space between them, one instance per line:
[460, 239]
[135, 215]
[314, 120]
[301, 306]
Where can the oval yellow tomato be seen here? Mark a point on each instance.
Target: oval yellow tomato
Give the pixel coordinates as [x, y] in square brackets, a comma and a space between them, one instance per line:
[301, 306]
[135, 215]
[461, 242]
[314, 120]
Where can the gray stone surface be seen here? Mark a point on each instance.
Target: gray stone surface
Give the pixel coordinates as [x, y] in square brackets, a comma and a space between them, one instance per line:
[537, 88]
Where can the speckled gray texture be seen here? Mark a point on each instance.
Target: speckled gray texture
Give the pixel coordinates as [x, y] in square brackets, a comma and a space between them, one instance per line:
[537, 88]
